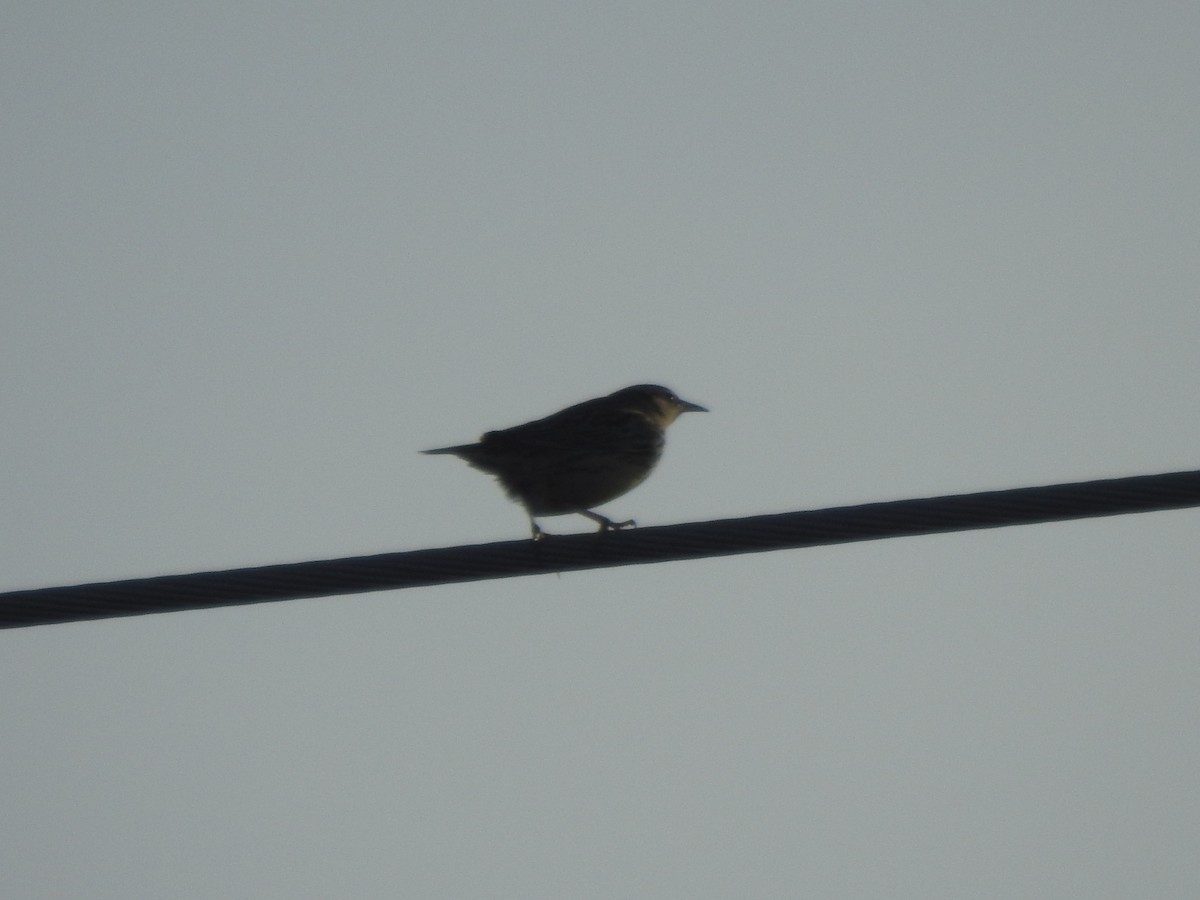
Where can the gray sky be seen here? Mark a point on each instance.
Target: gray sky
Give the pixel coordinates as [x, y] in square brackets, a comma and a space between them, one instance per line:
[257, 256]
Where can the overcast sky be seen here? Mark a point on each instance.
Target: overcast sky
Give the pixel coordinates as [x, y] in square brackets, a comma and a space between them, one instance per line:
[257, 256]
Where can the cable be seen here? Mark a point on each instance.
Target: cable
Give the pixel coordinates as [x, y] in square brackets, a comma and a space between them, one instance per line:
[565, 553]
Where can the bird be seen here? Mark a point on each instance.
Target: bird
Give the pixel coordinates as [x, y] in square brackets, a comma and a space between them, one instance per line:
[581, 456]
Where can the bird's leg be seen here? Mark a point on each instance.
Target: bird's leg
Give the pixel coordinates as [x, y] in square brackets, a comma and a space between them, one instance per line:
[607, 524]
[538, 534]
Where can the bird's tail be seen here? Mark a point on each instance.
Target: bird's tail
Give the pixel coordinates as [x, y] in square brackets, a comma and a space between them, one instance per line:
[461, 450]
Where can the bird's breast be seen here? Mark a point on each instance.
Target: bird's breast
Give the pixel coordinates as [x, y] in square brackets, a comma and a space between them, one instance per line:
[579, 481]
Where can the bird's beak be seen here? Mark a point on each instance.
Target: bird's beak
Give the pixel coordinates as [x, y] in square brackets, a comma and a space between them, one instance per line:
[684, 406]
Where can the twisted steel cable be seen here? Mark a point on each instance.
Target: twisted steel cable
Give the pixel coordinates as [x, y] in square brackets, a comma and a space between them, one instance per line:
[565, 553]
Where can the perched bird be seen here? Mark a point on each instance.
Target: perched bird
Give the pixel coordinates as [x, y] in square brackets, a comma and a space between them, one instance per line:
[583, 456]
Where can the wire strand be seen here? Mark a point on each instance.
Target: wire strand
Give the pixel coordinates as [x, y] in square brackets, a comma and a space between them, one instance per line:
[566, 553]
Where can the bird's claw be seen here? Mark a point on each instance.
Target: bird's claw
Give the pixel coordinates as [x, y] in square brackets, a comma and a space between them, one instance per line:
[607, 524]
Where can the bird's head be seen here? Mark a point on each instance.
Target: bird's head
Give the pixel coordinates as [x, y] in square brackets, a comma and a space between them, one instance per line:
[656, 402]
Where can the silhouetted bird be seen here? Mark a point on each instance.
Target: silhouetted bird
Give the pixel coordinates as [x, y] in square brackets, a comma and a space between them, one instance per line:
[583, 456]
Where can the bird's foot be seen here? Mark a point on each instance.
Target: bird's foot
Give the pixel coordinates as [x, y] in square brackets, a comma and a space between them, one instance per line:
[617, 526]
[607, 524]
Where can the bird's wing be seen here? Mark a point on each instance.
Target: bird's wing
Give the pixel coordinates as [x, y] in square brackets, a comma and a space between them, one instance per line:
[593, 425]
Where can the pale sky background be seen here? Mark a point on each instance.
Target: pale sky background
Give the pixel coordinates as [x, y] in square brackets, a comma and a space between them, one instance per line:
[257, 255]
